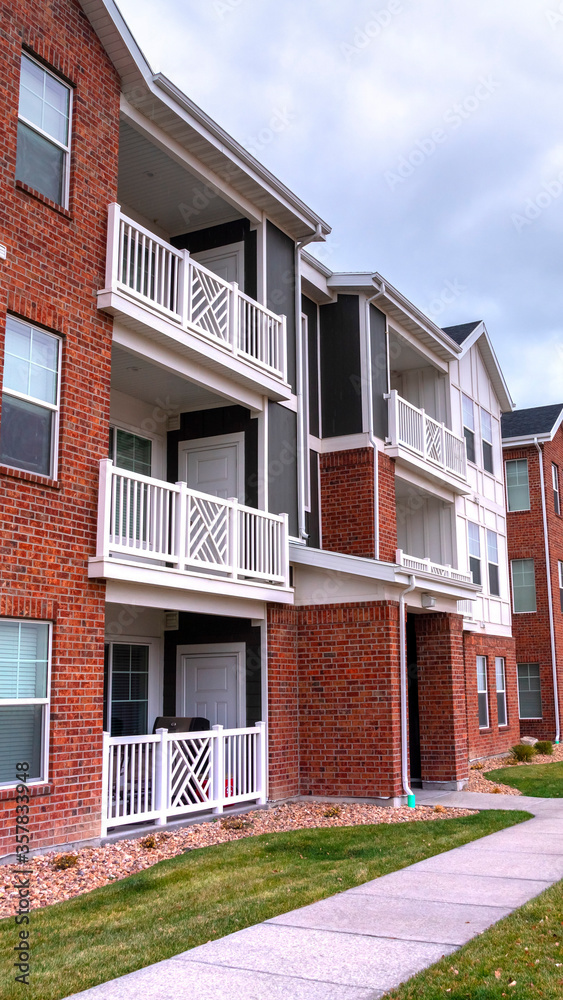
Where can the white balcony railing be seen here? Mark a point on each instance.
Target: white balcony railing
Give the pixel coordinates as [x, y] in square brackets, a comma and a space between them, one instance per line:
[168, 525]
[191, 297]
[164, 776]
[433, 442]
[435, 569]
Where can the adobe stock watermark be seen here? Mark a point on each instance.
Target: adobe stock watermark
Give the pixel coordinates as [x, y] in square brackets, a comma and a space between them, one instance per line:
[450, 292]
[534, 207]
[367, 33]
[280, 120]
[453, 119]
[555, 17]
[221, 8]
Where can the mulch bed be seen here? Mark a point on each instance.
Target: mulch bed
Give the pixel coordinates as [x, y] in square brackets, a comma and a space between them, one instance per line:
[97, 866]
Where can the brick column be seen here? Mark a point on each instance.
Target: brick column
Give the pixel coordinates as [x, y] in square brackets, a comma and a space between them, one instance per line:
[347, 502]
[349, 701]
[283, 717]
[387, 508]
[441, 699]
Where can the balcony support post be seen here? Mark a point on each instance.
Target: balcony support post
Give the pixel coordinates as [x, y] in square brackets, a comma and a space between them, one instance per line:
[181, 540]
[184, 289]
[114, 246]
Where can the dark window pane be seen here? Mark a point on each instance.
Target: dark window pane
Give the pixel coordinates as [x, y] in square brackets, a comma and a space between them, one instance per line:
[487, 456]
[128, 718]
[475, 569]
[483, 710]
[501, 708]
[469, 444]
[493, 580]
[40, 164]
[21, 739]
[25, 435]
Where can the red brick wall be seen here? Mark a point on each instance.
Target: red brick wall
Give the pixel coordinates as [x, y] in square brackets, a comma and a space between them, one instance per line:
[387, 509]
[334, 723]
[494, 739]
[55, 264]
[349, 700]
[526, 541]
[283, 702]
[347, 502]
[441, 697]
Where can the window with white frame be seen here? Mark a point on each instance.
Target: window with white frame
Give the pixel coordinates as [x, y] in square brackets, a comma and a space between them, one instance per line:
[487, 440]
[523, 586]
[501, 690]
[474, 551]
[130, 451]
[24, 698]
[492, 561]
[30, 398]
[560, 569]
[529, 691]
[43, 153]
[127, 688]
[517, 484]
[482, 692]
[555, 479]
[468, 426]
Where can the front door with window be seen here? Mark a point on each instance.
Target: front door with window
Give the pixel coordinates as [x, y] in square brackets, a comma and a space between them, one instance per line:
[211, 683]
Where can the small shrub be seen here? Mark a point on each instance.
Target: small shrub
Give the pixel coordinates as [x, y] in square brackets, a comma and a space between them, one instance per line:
[477, 767]
[149, 841]
[64, 861]
[544, 746]
[332, 812]
[523, 752]
[496, 791]
[439, 809]
[235, 823]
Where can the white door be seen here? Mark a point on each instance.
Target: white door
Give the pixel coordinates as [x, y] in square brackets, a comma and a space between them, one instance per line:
[214, 465]
[210, 683]
[227, 262]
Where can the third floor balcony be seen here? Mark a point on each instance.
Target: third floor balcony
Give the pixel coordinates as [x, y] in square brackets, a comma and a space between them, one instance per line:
[166, 296]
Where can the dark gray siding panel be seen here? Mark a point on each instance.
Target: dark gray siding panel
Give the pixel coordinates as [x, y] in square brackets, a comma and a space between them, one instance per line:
[282, 463]
[378, 371]
[312, 518]
[280, 279]
[310, 310]
[341, 397]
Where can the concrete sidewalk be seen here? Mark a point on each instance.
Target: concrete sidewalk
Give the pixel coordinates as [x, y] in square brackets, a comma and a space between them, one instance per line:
[361, 943]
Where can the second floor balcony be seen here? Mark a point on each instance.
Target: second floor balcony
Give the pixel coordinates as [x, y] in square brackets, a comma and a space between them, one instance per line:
[416, 439]
[168, 535]
[167, 296]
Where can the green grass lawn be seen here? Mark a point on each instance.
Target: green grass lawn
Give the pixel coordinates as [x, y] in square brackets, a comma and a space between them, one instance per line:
[196, 897]
[525, 948]
[544, 780]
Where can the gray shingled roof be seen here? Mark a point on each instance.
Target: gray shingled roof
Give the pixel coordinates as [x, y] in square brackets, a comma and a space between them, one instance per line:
[461, 332]
[534, 420]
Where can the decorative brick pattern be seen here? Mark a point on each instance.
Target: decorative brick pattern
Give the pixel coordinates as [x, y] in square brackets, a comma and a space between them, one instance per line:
[55, 264]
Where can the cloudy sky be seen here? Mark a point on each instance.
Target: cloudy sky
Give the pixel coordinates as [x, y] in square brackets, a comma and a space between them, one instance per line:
[427, 133]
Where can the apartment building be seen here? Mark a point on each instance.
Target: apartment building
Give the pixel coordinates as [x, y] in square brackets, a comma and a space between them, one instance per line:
[238, 491]
[533, 456]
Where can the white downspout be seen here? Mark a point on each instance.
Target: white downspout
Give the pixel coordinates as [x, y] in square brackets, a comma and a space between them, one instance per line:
[404, 691]
[549, 595]
[302, 445]
[371, 434]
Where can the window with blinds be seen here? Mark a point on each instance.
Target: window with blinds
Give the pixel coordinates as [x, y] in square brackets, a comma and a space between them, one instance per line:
[24, 686]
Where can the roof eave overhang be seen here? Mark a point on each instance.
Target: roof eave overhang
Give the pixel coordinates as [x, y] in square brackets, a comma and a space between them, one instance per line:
[397, 308]
[140, 83]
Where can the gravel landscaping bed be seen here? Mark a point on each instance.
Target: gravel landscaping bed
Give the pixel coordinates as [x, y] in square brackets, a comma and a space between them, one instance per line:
[478, 782]
[97, 866]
